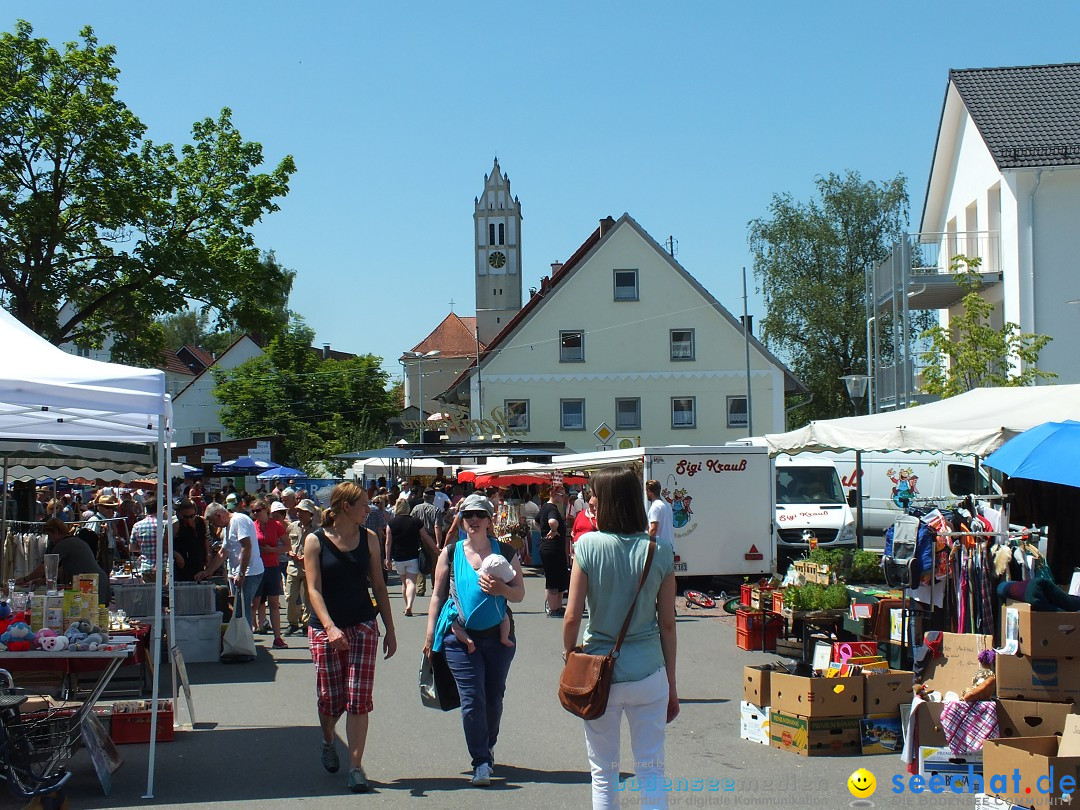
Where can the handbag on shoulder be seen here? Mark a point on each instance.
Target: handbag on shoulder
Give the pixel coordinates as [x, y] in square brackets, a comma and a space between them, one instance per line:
[586, 679]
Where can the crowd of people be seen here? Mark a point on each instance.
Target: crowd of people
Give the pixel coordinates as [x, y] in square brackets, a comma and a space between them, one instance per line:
[332, 568]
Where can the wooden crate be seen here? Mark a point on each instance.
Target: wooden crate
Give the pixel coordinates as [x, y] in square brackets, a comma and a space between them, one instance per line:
[813, 573]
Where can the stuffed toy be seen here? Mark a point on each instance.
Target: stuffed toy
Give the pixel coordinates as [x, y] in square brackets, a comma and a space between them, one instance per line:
[1041, 594]
[53, 643]
[74, 635]
[41, 635]
[18, 637]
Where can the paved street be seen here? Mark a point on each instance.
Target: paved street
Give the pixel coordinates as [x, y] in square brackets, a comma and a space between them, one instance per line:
[257, 737]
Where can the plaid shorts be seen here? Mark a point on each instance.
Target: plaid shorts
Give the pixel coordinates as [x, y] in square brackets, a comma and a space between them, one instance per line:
[344, 679]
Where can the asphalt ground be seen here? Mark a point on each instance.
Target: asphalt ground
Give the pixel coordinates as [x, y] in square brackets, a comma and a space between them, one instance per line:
[256, 740]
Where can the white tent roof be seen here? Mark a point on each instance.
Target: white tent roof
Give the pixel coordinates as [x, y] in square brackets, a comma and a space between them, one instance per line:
[974, 423]
[46, 393]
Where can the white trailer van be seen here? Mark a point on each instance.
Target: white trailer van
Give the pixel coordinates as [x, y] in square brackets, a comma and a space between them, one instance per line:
[810, 500]
[890, 481]
[722, 500]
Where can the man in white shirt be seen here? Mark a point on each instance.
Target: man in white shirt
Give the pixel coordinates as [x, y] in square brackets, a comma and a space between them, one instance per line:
[241, 550]
[661, 527]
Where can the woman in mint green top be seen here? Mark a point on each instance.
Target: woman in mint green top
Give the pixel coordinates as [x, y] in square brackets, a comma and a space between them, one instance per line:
[607, 568]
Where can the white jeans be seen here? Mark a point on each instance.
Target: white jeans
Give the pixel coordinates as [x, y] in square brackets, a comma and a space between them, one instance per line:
[645, 705]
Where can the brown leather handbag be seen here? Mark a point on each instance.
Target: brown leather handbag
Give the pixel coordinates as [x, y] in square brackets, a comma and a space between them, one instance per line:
[586, 679]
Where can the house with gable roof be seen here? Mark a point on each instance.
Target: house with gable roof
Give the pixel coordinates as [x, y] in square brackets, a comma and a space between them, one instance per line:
[1004, 187]
[451, 346]
[622, 334]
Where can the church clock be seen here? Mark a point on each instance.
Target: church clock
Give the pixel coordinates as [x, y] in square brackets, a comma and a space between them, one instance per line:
[497, 259]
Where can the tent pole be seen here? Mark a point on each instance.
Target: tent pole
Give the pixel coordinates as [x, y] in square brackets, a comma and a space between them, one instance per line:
[156, 645]
[3, 517]
[168, 565]
[859, 543]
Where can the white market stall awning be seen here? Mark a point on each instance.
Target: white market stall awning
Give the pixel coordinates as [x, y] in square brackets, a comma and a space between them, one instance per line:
[974, 423]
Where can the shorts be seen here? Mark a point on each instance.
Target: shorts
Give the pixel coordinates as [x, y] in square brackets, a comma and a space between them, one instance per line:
[344, 679]
[556, 573]
[407, 567]
[271, 582]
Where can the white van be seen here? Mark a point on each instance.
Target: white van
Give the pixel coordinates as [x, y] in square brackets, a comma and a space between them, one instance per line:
[891, 481]
[810, 498]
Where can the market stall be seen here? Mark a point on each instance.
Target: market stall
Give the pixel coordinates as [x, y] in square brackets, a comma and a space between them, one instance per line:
[49, 395]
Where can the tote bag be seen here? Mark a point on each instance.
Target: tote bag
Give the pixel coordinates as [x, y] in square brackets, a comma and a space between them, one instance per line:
[438, 689]
[238, 646]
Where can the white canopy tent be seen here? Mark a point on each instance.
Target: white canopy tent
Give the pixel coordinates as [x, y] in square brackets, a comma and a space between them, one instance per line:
[974, 423]
[48, 394]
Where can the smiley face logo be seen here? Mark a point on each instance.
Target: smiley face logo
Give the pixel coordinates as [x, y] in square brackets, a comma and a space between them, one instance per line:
[862, 784]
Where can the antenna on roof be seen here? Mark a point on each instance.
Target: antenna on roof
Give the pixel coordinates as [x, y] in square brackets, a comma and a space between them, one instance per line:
[671, 244]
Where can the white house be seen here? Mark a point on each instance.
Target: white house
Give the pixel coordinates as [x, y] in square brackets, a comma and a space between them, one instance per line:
[436, 361]
[196, 417]
[622, 334]
[1004, 186]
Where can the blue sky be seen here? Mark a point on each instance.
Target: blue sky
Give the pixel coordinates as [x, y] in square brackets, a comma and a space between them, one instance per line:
[689, 116]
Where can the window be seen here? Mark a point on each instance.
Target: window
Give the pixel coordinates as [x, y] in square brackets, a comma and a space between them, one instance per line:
[683, 412]
[571, 346]
[628, 414]
[572, 414]
[626, 288]
[736, 412]
[213, 436]
[198, 437]
[517, 413]
[82, 351]
[502, 234]
[491, 233]
[682, 344]
[962, 480]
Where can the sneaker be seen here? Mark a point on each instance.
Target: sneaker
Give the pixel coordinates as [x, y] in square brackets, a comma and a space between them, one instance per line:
[481, 776]
[291, 630]
[280, 644]
[330, 759]
[557, 614]
[358, 781]
[265, 630]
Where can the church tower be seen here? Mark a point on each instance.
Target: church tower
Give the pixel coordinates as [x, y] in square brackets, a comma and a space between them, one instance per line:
[497, 231]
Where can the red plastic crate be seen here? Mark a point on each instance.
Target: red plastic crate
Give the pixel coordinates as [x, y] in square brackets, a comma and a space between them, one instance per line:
[134, 727]
[777, 601]
[748, 630]
[746, 594]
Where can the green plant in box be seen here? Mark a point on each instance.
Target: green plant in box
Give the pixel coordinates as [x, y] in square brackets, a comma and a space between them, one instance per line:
[834, 597]
[866, 568]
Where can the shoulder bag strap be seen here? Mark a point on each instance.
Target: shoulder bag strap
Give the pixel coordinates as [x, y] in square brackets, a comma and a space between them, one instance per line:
[630, 613]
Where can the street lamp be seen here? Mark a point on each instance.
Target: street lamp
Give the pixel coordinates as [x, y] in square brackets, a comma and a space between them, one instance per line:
[856, 388]
[420, 357]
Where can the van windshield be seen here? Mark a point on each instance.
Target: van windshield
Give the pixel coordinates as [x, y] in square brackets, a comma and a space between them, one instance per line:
[808, 485]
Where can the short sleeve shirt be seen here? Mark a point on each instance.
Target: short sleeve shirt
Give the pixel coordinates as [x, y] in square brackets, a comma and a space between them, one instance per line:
[240, 526]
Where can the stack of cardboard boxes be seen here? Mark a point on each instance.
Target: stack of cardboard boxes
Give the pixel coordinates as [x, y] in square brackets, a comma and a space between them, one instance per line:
[857, 714]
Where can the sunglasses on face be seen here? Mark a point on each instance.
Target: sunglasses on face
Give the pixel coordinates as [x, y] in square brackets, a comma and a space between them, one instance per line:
[474, 515]
[256, 511]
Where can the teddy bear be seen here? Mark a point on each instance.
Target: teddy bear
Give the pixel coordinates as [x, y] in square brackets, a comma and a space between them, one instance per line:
[53, 643]
[18, 637]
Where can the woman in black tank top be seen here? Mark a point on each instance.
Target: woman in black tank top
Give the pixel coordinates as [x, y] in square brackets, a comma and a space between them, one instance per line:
[341, 562]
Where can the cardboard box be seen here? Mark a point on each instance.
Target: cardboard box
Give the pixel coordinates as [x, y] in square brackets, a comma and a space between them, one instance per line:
[1041, 679]
[754, 723]
[817, 697]
[953, 670]
[955, 768]
[756, 688]
[1035, 758]
[881, 734]
[1045, 634]
[814, 737]
[886, 690]
[928, 729]
[1032, 718]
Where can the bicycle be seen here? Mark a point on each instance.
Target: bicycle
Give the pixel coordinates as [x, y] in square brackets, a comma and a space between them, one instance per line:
[32, 746]
[698, 599]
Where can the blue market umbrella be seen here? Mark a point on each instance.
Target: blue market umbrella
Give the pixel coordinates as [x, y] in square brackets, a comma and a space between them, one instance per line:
[245, 465]
[1046, 452]
[282, 472]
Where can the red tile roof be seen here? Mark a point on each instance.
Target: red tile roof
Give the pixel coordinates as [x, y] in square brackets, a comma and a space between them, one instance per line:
[173, 364]
[200, 354]
[454, 337]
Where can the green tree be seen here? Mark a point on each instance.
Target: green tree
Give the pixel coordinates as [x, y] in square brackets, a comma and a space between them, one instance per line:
[973, 354]
[322, 407]
[101, 230]
[810, 259]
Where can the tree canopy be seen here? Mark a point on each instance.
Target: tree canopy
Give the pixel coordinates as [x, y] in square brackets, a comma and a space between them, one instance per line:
[103, 231]
[322, 407]
[971, 353]
[810, 258]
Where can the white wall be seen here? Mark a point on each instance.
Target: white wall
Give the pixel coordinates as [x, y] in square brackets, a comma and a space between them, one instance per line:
[195, 409]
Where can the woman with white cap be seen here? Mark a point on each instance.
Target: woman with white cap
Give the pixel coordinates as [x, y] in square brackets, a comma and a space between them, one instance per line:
[478, 602]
